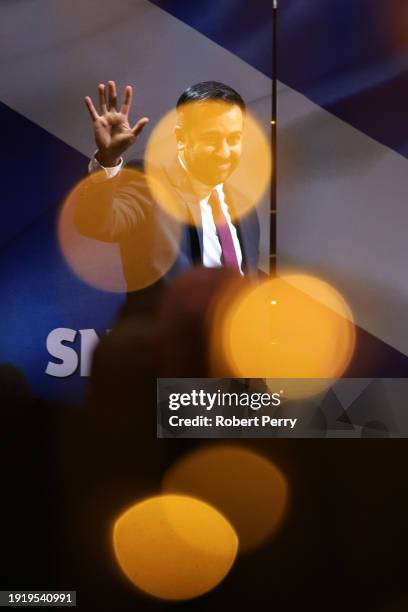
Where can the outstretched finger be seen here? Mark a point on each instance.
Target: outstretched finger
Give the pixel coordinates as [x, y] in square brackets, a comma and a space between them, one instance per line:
[138, 127]
[92, 110]
[102, 99]
[127, 101]
[113, 96]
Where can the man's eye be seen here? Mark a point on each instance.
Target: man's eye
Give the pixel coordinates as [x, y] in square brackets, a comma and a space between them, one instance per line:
[210, 142]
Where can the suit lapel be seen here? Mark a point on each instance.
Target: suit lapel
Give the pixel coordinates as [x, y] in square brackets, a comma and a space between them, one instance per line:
[181, 184]
[235, 200]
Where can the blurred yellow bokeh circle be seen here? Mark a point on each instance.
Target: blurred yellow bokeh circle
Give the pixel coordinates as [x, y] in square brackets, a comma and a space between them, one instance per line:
[245, 183]
[174, 547]
[290, 327]
[113, 236]
[245, 486]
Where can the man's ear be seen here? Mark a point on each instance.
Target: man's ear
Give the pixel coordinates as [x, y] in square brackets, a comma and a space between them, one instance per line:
[179, 134]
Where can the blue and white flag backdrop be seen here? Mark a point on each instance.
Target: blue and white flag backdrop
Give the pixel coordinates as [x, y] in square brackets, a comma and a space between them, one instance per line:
[342, 171]
[53, 54]
[342, 150]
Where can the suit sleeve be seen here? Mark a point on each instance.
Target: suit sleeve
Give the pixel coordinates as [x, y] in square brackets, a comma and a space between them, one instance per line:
[110, 210]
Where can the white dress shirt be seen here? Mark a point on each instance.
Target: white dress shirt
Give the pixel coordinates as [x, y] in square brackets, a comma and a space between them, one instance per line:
[211, 245]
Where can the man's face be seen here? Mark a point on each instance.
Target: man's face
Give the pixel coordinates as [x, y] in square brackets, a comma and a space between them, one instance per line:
[210, 140]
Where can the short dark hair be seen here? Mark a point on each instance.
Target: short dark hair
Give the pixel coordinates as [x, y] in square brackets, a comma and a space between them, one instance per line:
[210, 90]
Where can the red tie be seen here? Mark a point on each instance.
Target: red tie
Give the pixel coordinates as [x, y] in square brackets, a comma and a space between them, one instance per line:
[228, 254]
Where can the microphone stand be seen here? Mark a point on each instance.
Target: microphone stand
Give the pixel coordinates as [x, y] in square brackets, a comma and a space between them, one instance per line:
[272, 228]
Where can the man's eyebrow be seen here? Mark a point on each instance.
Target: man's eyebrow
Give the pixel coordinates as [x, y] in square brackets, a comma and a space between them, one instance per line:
[215, 132]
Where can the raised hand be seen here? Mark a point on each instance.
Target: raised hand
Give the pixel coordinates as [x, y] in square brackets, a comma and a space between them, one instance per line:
[113, 134]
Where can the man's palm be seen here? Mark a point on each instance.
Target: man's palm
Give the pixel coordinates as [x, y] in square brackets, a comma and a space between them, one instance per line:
[113, 131]
[113, 134]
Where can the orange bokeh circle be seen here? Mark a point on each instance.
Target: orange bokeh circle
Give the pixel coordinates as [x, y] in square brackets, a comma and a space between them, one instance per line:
[112, 234]
[247, 488]
[290, 327]
[174, 547]
[248, 181]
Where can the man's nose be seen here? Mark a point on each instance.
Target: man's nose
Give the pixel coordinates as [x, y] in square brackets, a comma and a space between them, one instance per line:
[223, 150]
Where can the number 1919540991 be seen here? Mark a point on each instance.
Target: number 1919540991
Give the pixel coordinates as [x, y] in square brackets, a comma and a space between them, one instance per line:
[44, 598]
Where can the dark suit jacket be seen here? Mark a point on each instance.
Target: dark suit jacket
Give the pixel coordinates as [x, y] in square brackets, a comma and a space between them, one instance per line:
[123, 210]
